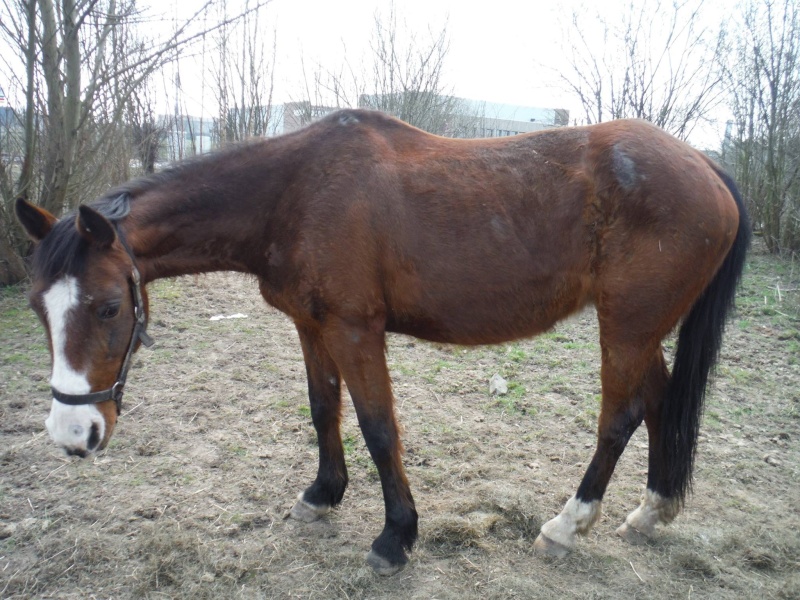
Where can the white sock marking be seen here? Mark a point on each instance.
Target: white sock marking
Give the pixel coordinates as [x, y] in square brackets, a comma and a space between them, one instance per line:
[577, 517]
[654, 509]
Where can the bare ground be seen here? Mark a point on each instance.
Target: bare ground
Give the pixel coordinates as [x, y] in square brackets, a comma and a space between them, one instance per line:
[190, 499]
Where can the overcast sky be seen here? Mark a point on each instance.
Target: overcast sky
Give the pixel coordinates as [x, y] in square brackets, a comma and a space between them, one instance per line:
[505, 51]
[494, 46]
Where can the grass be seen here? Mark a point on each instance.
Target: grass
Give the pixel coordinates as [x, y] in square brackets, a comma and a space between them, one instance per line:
[517, 354]
[237, 450]
[794, 352]
[165, 289]
[759, 293]
[175, 518]
[350, 445]
[17, 358]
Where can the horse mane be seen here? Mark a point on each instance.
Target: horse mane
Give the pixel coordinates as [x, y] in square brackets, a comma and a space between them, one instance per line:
[198, 163]
[63, 250]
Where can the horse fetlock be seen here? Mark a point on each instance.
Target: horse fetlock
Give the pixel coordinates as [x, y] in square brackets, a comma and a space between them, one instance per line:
[326, 491]
[402, 526]
[653, 510]
[577, 518]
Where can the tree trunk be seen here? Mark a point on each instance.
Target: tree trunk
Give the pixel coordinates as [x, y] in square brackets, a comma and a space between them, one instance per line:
[54, 177]
[26, 176]
[12, 267]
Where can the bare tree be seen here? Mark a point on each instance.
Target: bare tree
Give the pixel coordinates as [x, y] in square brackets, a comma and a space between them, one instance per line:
[84, 61]
[765, 70]
[12, 149]
[653, 61]
[243, 77]
[407, 76]
[147, 131]
[402, 76]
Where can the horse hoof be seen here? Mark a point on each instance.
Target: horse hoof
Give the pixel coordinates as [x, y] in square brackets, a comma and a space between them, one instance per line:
[632, 535]
[382, 566]
[544, 545]
[307, 513]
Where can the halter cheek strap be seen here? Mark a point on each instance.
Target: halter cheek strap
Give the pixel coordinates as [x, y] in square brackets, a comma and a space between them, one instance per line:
[139, 334]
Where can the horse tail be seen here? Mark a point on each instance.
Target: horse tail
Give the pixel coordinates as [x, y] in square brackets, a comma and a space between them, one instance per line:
[699, 341]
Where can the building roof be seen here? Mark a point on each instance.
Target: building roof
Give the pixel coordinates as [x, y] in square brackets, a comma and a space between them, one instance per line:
[512, 112]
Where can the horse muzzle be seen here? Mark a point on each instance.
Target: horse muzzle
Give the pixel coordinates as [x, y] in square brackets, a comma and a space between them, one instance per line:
[79, 430]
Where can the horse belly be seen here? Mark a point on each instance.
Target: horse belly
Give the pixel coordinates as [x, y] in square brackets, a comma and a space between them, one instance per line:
[490, 314]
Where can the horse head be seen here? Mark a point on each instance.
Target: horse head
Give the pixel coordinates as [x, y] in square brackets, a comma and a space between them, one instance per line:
[87, 293]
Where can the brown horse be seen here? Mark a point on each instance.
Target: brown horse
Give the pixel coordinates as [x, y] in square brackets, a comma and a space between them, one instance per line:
[360, 225]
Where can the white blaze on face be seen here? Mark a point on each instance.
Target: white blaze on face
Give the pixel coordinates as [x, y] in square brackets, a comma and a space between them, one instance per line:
[69, 426]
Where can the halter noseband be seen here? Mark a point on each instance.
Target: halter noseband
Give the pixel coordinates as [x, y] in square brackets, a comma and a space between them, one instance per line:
[139, 333]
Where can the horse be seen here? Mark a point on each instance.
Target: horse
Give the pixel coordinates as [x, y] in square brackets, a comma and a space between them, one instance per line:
[360, 225]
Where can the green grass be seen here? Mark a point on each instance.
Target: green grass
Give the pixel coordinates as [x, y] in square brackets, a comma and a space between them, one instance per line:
[512, 402]
[439, 366]
[350, 445]
[517, 354]
[237, 450]
[165, 289]
[405, 370]
[17, 358]
[743, 377]
[7, 545]
[759, 296]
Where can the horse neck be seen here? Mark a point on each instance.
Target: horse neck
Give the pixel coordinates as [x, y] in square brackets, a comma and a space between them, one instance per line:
[211, 215]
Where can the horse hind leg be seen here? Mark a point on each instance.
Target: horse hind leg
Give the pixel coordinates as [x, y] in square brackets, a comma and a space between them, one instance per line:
[624, 376]
[657, 506]
[324, 392]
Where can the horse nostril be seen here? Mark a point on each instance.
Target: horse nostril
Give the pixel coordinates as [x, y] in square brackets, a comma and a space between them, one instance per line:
[94, 437]
[76, 452]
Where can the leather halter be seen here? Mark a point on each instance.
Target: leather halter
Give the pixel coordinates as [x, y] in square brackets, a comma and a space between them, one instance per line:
[139, 333]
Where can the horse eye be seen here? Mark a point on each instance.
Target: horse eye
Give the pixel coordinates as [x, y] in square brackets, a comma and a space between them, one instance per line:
[108, 311]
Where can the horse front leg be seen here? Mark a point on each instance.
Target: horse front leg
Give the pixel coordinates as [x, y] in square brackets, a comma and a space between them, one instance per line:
[359, 352]
[324, 393]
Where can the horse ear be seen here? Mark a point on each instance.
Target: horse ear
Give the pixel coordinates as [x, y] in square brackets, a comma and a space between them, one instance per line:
[36, 221]
[94, 227]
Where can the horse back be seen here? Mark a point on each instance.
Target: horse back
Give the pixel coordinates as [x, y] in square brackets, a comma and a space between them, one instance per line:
[474, 241]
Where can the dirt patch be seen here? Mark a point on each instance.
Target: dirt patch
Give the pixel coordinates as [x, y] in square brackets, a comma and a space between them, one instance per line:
[190, 499]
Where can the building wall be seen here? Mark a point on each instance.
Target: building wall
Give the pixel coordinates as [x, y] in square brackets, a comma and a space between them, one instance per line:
[491, 119]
